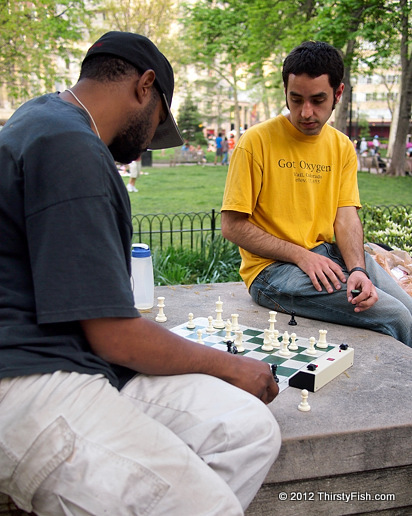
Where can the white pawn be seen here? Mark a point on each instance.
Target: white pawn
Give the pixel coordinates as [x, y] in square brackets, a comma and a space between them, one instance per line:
[285, 343]
[239, 341]
[160, 317]
[304, 405]
[322, 339]
[311, 349]
[267, 341]
[200, 336]
[275, 339]
[235, 322]
[210, 328]
[293, 346]
[191, 325]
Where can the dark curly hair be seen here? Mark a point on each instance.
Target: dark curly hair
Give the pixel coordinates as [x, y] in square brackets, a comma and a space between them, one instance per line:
[314, 58]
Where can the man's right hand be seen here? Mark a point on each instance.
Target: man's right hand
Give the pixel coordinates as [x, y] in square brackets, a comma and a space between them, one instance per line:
[321, 270]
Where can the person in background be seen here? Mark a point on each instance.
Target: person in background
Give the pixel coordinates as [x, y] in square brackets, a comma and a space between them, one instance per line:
[219, 152]
[135, 169]
[225, 151]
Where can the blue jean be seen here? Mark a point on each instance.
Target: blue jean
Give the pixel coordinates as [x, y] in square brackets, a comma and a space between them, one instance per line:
[284, 287]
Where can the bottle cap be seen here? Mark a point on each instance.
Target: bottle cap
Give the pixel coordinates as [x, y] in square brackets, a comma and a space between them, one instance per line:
[140, 251]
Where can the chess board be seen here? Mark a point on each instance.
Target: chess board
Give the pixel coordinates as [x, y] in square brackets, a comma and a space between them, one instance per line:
[291, 370]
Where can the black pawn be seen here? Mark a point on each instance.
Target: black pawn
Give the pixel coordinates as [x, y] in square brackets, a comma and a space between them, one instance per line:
[292, 321]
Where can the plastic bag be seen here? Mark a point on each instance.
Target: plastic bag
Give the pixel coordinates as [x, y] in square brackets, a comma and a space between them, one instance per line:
[396, 263]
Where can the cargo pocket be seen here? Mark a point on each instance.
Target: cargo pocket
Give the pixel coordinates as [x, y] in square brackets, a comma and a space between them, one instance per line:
[53, 446]
[96, 480]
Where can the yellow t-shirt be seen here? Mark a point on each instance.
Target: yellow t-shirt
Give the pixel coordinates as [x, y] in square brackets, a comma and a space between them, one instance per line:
[290, 184]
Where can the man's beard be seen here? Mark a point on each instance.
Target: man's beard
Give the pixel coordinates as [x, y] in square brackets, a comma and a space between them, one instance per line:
[134, 138]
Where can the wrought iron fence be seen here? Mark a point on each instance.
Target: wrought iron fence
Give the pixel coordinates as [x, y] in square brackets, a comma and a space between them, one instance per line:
[193, 229]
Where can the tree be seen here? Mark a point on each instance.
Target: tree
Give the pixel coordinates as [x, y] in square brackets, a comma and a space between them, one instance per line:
[215, 38]
[33, 36]
[397, 165]
[151, 19]
[190, 122]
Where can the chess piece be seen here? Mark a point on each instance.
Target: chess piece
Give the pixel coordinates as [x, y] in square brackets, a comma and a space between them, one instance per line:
[160, 317]
[274, 369]
[285, 343]
[235, 323]
[219, 322]
[267, 341]
[228, 336]
[200, 336]
[304, 405]
[210, 328]
[272, 320]
[292, 321]
[239, 341]
[275, 339]
[293, 346]
[311, 349]
[322, 344]
[191, 325]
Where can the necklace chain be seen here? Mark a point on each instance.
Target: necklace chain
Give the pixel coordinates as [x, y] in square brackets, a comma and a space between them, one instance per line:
[87, 111]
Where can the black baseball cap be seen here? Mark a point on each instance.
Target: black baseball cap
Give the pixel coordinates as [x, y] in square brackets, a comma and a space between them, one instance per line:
[140, 52]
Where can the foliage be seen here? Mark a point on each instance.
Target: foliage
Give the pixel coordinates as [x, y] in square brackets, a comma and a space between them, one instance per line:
[151, 19]
[218, 261]
[190, 121]
[33, 36]
[392, 228]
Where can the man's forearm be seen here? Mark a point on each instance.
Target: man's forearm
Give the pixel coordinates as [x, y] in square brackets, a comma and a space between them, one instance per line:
[243, 233]
[349, 238]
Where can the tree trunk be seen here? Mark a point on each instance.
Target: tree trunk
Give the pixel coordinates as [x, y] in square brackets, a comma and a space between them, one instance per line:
[342, 108]
[397, 166]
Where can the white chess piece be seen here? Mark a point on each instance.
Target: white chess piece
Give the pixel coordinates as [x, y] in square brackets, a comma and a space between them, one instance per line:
[267, 341]
[272, 320]
[304, 405]
[275, 339]
[228, 328]
[200, 336]
[160, 317]
[219, 322]
[235, 322]
[293, 346]
[191, 325]
[322, 339]
[239, 341]
[311, 349]
[210, 328]
[285, 343]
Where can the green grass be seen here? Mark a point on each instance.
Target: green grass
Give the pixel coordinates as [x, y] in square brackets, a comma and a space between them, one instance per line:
[184, 188]
[193, 188]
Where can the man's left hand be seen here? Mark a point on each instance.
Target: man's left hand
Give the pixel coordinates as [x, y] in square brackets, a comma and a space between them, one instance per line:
[368, 295]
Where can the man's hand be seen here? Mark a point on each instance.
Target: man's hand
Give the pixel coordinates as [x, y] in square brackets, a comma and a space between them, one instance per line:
[368, 295]
[321, 271]
[253, 376]
[146, 347]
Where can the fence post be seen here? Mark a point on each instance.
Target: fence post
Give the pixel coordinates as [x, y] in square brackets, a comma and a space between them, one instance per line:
[213, 224]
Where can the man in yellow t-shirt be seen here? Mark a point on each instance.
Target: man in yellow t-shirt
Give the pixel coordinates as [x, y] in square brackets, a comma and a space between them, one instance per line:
[291, 202]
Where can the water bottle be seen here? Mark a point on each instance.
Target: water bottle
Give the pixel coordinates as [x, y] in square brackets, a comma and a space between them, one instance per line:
[142, 277]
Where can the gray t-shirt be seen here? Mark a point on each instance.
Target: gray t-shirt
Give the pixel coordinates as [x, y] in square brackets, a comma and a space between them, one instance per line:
[65, 236]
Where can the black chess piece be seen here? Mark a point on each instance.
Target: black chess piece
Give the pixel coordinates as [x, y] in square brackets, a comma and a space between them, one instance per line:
[231, 348]
[292, 321]
[274, 368]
